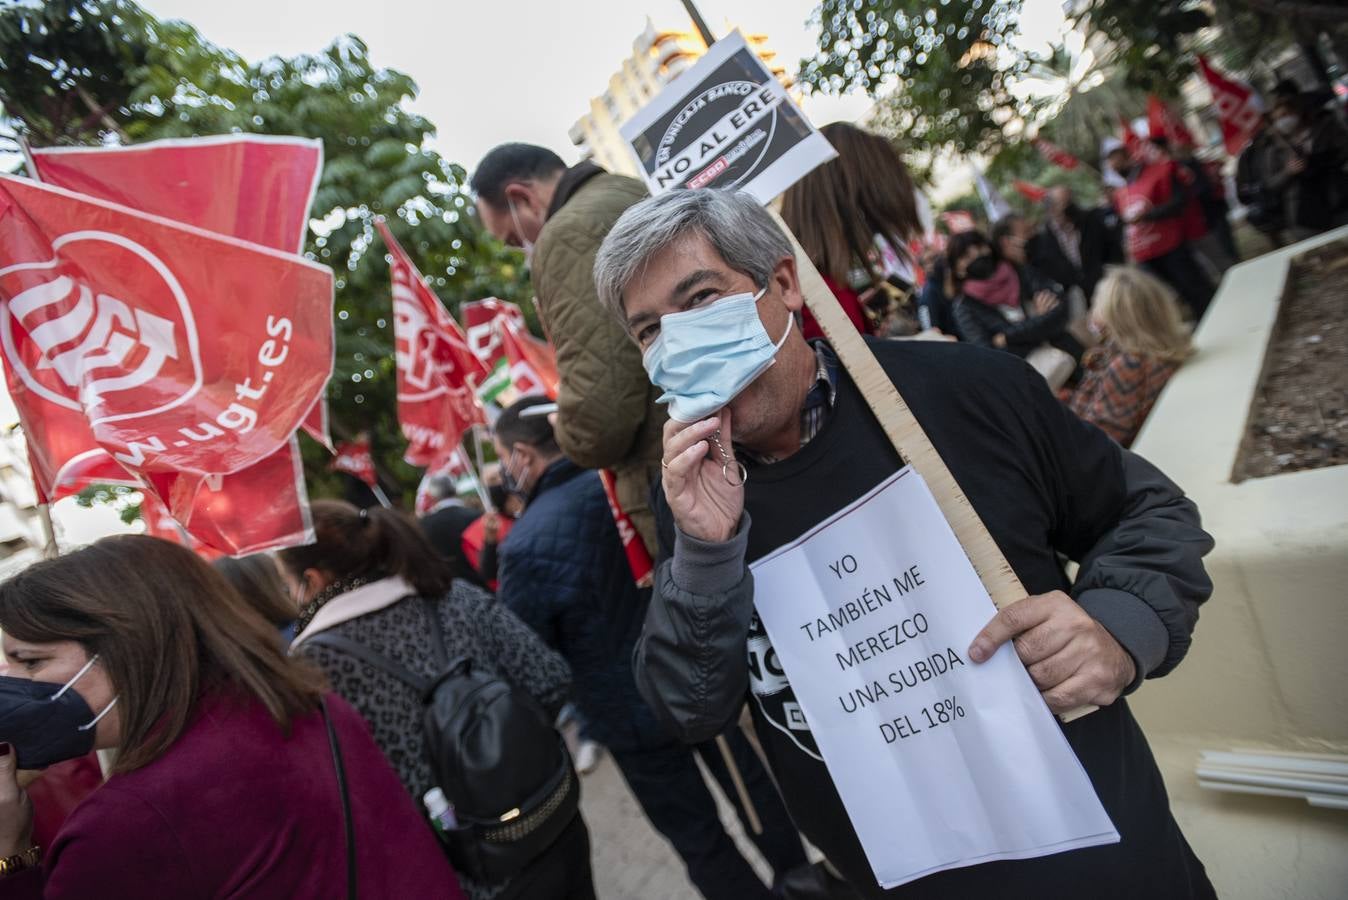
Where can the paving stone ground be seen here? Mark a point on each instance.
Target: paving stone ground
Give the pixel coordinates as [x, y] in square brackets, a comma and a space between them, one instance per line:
[631, 860]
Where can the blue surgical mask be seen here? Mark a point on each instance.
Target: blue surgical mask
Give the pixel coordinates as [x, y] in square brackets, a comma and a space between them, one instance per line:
[703, 358]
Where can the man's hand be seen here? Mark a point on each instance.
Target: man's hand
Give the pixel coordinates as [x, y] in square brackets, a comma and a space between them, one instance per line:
[1072, 659]
[1045, 302]
[491, 527]
[705, 505]
[999, 341]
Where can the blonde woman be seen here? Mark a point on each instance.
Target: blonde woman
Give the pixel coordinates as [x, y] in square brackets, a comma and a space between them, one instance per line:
[1143, 342]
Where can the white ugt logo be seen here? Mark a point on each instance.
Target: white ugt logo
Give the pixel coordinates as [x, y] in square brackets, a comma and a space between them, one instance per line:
[108, 332]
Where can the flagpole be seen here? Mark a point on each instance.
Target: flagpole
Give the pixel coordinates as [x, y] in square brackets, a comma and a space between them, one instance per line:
[380, 495]
[482, 493]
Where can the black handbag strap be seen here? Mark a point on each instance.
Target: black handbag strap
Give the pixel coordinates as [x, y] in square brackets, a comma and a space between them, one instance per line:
[350, 826]
[346, 645]
[437, 636]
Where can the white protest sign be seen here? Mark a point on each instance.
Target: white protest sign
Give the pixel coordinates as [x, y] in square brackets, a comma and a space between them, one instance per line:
[940, 763]
[726, 123]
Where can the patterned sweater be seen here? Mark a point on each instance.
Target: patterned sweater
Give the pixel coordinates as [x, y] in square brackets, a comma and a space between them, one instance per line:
[1118, 390]
[474, 625]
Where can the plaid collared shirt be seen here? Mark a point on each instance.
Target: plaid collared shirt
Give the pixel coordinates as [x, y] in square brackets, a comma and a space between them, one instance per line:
[818, 402]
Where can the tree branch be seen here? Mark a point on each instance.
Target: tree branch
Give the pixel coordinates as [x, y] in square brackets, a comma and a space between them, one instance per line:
[1320, 12]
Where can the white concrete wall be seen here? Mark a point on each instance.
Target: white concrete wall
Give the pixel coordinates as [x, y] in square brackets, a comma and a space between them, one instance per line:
[1269, 666]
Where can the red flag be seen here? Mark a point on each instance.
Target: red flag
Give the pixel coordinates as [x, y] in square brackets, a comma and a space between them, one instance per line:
[355, 458]
[518, 364]
[1131, 142]
[957, 220]
[1032, 192]
[437, 373]
[1055, 154]
[105, 314]
[254, 187]
[638, 557]
[1163, 122]
[1238, 108]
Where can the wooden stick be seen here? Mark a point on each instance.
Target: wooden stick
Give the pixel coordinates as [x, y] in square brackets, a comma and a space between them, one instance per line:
[908, 438]
[755, 824]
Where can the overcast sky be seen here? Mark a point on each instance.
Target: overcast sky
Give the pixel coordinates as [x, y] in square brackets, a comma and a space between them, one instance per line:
[513, 70]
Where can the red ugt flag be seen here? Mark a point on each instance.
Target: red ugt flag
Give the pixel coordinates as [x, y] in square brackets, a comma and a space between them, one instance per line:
[185, 355]
[1163, 122]
[255, 187]
[1032, 192]
[1238, 108]
[518, 364]
[1055, 154]
[437, 372]
[355, 458]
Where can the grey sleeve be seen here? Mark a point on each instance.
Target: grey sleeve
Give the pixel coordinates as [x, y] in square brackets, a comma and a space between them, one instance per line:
[1144, 579]
[689, 661]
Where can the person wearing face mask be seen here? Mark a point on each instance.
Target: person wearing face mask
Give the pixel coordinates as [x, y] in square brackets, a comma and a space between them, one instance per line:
[1312, 183]
[565, 573]
[1003, 304]
[371, 577]
[235, 772]
[445, 524]
[768, 438]
[607, 415]
[1159, 211]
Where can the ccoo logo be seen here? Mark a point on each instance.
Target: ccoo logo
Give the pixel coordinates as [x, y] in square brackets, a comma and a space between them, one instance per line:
[113, 351]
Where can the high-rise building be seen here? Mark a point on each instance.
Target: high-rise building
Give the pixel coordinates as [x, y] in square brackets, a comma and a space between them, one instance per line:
[658, 57]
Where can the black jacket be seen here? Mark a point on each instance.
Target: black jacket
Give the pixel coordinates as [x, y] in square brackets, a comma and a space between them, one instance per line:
[1101, 245]
[1044, 483]
[445, 528]
[563, 571]
[980, 322]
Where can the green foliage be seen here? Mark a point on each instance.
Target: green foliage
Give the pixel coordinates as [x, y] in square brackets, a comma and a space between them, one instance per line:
[126, 500]
[943, 70]
[1150, 40]
[156, 79]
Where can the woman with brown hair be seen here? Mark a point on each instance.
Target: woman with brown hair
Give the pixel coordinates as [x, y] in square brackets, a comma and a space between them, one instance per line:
[235, 773]
[258, 580]
[1143, 341]
[854, 217]
[371, 577]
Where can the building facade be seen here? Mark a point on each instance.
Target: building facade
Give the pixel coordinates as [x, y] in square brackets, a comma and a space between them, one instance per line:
[658, 57]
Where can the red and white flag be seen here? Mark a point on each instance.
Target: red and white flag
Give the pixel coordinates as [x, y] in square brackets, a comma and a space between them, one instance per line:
[638, 556]
[1032, 192]
[186, 356]
[255, 187]
[1055, 154]
[355, 458]
[958, 220]
[517, 363]
[1162, 121]
[1238, 107]
[437, 372]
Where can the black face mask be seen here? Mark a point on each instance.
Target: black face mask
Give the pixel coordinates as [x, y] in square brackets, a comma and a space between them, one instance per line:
[47, 723]
[981, 268]
[498, 495]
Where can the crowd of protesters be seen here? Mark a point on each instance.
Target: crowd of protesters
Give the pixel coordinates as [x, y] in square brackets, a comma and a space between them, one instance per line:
[314, 717]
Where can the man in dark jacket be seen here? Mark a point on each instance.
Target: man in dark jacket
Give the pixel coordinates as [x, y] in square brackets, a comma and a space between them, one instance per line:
[565, 573]
[1042, 482]
[607, 417]
[445, 523]
[1073, 245]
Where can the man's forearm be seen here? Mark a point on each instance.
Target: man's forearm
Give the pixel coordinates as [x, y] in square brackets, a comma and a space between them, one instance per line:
[690, 659]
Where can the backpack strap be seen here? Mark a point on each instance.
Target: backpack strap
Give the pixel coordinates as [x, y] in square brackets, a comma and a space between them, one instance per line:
[347, 822]
[343, 644]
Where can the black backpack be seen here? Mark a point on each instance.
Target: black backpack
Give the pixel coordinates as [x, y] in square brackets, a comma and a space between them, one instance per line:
[493, 751]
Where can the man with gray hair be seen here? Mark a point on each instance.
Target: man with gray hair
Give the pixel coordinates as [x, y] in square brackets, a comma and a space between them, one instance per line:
[768, 436]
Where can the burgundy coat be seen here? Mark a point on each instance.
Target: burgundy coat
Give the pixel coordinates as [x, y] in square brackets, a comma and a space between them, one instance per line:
[234, 809]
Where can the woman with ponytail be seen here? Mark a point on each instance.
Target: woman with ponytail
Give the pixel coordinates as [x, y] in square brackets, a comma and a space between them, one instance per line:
[372, 577]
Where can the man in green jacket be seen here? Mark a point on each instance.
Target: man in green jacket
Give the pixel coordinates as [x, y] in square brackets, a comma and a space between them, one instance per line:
[608, 417]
